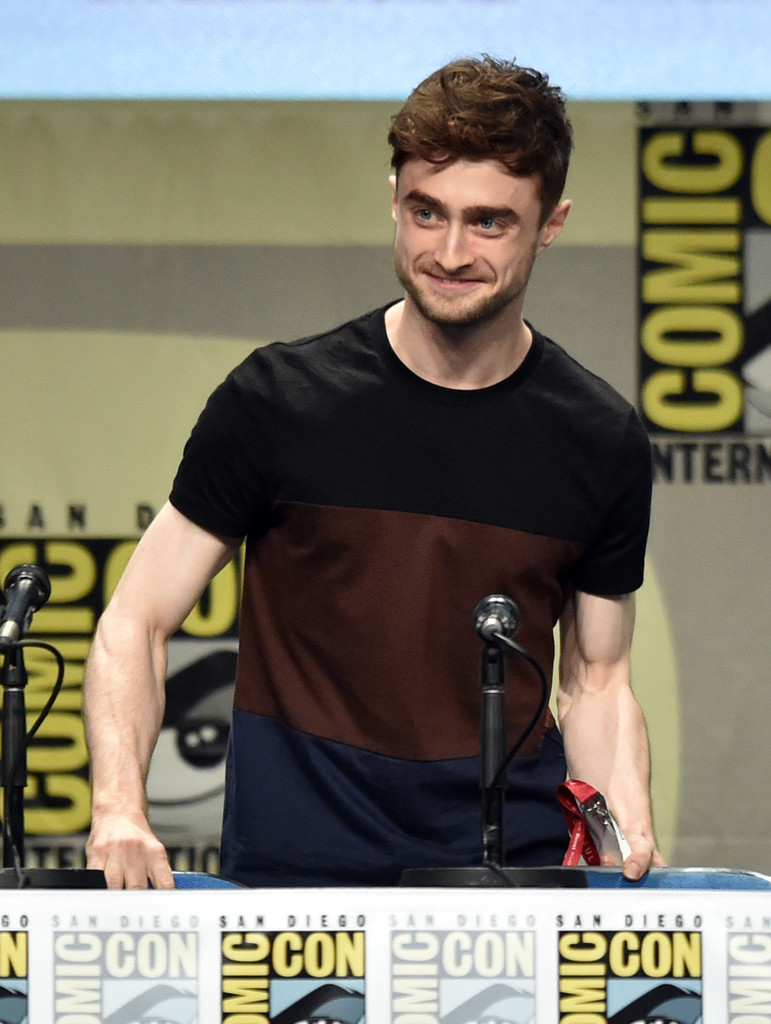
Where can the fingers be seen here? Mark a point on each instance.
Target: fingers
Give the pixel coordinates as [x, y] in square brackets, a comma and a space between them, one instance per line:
[129, 855]
[635, 866]
[608, 860]
[643, 856]
[160, 873]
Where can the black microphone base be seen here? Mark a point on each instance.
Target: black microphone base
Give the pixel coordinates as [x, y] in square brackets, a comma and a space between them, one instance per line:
[51, 878]
[490, 877]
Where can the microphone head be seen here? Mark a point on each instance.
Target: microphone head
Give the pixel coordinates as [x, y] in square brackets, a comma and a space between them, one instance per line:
[496, 614]
[37, 581]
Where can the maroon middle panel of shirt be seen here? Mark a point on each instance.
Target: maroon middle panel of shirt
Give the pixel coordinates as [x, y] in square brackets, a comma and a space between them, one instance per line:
[323, 651]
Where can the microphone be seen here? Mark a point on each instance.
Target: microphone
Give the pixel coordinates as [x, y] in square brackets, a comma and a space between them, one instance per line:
[27, 588]
[496, 614]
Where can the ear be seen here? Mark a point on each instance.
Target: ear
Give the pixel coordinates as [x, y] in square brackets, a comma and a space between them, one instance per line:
[392, 183]
[554, 223]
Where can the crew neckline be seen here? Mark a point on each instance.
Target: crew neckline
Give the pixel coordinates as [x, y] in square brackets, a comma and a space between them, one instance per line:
[459, 396]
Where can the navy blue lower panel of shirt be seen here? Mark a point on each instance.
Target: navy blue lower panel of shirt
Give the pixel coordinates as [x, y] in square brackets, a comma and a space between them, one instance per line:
[304, 811]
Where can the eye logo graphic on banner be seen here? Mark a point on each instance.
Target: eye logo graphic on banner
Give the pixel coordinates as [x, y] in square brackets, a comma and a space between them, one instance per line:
[705, 293]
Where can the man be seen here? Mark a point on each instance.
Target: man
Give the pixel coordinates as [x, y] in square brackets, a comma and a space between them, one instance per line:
[388, 475]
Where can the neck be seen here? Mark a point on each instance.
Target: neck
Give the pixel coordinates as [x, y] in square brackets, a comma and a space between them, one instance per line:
[464, 356]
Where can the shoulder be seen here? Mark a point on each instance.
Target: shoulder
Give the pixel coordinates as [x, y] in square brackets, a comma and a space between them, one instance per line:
[313, 351]
[561, 371]
[599, 418]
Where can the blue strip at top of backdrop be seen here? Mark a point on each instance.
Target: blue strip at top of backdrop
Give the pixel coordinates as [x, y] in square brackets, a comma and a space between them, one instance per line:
[378, 49]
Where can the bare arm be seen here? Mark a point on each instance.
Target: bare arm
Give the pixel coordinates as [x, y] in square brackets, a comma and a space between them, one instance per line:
[124, 690]
[606, 740]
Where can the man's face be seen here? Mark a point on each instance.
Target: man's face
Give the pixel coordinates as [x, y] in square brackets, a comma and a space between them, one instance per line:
[466, 237]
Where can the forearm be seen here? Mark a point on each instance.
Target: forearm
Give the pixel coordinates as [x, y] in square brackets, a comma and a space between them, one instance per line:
[606, 745]
[123, 709]
[126, 670]
[606, 740]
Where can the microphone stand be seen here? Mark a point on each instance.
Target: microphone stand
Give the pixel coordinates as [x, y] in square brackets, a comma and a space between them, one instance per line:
[14, 728]
[493, 752]
[496, 619]
[13, 874]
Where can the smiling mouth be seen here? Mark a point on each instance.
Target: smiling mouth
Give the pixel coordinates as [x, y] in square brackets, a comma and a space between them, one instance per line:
[454, 283]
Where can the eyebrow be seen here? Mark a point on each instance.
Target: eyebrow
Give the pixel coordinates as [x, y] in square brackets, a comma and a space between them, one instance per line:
[470, 212]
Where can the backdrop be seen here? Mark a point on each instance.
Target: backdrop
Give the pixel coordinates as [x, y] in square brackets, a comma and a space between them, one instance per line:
[146, 247]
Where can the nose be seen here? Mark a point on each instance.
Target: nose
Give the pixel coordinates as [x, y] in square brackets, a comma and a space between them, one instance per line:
[453, 252]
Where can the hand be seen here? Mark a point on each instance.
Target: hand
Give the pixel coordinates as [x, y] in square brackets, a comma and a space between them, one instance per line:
[643, 855]
[126, 850]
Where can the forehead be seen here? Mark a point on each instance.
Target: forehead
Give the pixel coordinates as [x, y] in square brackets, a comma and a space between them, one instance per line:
[469, 183]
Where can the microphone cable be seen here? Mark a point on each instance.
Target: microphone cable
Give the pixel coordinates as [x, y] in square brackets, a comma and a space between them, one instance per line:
[498, 780]
[8, 839]
[544, 700]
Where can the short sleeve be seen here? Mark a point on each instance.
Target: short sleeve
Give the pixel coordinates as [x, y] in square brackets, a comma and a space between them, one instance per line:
[223, 480]
[613, 563]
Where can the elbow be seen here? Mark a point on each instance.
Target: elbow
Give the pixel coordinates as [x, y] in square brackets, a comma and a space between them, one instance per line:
[591, 684]
[129, 629]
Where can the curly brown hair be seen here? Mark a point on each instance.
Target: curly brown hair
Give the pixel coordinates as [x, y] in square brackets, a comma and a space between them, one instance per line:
[485, 108]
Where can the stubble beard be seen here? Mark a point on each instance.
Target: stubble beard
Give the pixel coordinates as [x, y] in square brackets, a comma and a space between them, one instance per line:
[456, 312]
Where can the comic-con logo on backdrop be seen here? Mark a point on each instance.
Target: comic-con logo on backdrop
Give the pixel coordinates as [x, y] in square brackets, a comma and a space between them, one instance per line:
[186, 781]
[630, 977]
[749, 969]
[462, 975]
[14, 981]
[114, 977]
[705, 293]
[293, 977]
